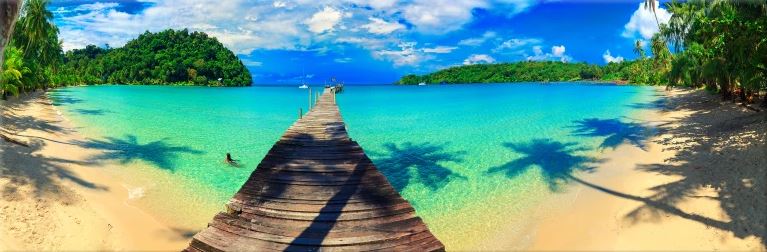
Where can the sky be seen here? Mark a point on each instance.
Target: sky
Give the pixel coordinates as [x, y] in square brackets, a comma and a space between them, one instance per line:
[373, 41]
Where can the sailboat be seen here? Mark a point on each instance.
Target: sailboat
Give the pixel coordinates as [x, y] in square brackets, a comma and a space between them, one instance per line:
[303, 81]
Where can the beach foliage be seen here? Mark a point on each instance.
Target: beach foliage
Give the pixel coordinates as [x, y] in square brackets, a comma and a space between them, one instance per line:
[33, 54]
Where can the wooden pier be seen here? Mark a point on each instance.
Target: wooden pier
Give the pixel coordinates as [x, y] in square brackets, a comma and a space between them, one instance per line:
[316, 190]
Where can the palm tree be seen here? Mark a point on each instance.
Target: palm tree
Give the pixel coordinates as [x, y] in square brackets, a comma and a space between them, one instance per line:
[11, 9]
[652, 5]
[37, 25]
[639, 49]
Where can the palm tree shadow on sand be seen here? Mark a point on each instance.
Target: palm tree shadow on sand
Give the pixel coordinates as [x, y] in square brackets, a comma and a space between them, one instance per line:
[558, 163]
[25, 166]
[408, 162]
[127, 149]
[615, 131]
[556, 160]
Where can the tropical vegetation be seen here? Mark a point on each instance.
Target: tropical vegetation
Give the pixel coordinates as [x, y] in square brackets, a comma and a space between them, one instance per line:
[714, 44]
[168, 57]
[525, 71]
[34, 58]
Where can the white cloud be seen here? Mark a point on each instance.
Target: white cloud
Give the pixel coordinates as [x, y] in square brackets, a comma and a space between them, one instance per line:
[439, 49]
[516, 43]
[379, 26]
[611, 59]
[557, 53]
[441, 16]
[479, 40]
[367, 43]
[252, 63]
[642, 23]
[408, 54]
[343, 60]
[376, 4]
[297, 25]
[324, 20]
[279, 4]
[477, 59]
[96, 6]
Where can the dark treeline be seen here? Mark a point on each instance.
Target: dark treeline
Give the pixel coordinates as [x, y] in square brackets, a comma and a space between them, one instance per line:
[712, 44]
[34, 58]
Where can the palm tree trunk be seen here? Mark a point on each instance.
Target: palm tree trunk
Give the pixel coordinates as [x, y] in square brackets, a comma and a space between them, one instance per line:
[9, 11]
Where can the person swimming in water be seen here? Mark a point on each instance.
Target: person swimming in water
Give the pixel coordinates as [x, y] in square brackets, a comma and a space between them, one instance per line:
[230, 161]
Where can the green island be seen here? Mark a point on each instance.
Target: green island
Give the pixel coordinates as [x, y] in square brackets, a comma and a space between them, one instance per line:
[34, 59]
[703, 45]
[167, 57]
[530, 71]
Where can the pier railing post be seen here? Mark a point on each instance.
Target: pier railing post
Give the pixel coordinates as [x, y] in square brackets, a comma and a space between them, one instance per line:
[300, 113]
[310, 98]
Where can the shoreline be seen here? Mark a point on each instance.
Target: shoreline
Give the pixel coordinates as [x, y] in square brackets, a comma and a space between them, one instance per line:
[604, 210]
[630, 202]
[52, 194]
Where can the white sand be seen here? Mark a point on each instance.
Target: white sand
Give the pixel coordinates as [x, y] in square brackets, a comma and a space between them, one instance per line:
[52, 199]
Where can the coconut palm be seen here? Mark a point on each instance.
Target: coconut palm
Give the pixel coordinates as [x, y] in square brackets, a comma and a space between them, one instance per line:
[11, 9]
[653, 6]
[639, 48]
[36, 25]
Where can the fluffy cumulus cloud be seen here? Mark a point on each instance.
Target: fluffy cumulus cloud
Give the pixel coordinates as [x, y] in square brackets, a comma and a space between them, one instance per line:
[609, 58]
[558, 51]
[642, 23]
[557, 54]
[478, 59]
[324, 20]
[255, 26]
[441, 16]
[244, 26]
[380, 27]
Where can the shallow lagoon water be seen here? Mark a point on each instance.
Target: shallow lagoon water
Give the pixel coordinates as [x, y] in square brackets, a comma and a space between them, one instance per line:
[475, 160]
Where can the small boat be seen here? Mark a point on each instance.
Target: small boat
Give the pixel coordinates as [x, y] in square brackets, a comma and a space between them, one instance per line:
[422, 84]
[303, 86]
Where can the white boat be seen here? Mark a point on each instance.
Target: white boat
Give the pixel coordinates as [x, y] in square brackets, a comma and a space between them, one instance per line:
[303, 86]
[422, 84]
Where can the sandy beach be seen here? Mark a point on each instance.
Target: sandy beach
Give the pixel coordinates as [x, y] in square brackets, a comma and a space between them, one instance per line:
[53, 198]
[696, 182]
[696, 185]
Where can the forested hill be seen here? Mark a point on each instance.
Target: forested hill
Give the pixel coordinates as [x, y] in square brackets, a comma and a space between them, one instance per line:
[166, 58]
[523, 71]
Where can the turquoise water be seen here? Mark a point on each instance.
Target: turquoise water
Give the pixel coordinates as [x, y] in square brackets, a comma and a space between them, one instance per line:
[466, 156]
